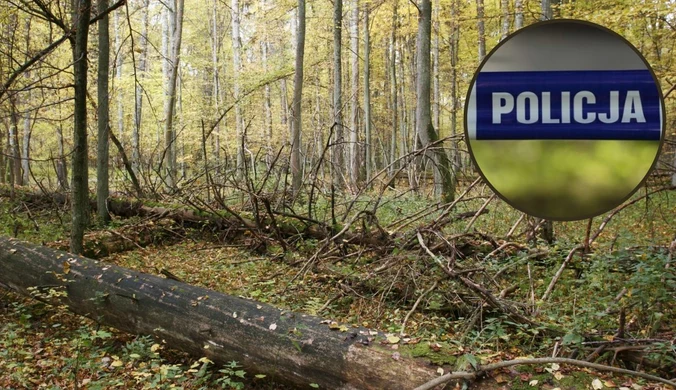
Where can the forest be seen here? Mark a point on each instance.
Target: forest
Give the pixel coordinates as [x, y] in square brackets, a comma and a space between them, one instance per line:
[279, 194]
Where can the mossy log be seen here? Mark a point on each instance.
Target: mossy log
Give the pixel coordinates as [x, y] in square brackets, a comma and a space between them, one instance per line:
[290, 347]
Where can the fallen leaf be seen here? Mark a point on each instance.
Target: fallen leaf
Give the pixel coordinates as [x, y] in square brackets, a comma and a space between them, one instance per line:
[334, 325]
[597, 384]
[396, 356]
[393, 339]
[609, 383]
[343, 328]
[534, 382]
[558, 375]
[440, 371]
[273, 326]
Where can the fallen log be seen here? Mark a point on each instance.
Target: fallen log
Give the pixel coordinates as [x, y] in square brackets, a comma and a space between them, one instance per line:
[290, 347]
[102, 243]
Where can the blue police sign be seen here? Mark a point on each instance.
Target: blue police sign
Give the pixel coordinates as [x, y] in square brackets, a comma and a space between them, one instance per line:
[592, 105]
[564, 119]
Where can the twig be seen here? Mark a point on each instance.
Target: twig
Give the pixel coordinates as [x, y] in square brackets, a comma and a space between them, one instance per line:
[415, 305]
[482, 370]
[556, 277]
[478, 213]
[513, 229]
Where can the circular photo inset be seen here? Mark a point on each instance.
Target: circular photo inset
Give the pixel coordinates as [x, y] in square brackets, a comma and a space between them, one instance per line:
[564, 119]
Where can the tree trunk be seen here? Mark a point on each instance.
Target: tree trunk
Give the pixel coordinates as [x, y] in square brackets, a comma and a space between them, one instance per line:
[80, 205]
[354, 101]
[284, 103]
[288, 347]
[119, 60]
[236, 67]
[138, 94]
[102, 151]
[368, 146]
[546, 6]
[61, 167]
[170, 100]
[481, 29]
[215, 84]
[518, 14]
[26, 147]
[338, 140]
[435, 70]
[268, 108]
[455, 42]
[296, 169]
[424, 128]
[504, 28]
[393, 91]
[14, 148]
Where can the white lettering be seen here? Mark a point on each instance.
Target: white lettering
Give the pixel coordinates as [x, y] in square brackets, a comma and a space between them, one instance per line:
[633, 108]
[614, 109]
[578, 108]
[565, 107]
[532, 107]
[547, 109]
[503, 103]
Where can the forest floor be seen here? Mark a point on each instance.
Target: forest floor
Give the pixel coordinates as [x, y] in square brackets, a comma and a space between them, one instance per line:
[625, 282]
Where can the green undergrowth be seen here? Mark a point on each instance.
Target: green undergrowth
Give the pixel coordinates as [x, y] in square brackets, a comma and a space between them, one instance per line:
[377, 289]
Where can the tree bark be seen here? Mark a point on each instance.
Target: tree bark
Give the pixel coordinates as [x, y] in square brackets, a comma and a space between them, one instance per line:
[354, 101]
[14, 148]
[296, 169]
[455, 42]
[215, 84]
[435, 70]
[80, 205]
[393, 90]
[119, 61]
[481, 29]
[102, 148]
[338, 140]
[268, 108]
[287, 346]
[518, 14]
[236, 68]
[425, 131]
[504, 28]
[368, 147]
[60, 165]
[170, 99]
[138, 94]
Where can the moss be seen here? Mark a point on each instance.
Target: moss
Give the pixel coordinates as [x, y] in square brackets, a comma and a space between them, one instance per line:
[423, 350]
[575, 380]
